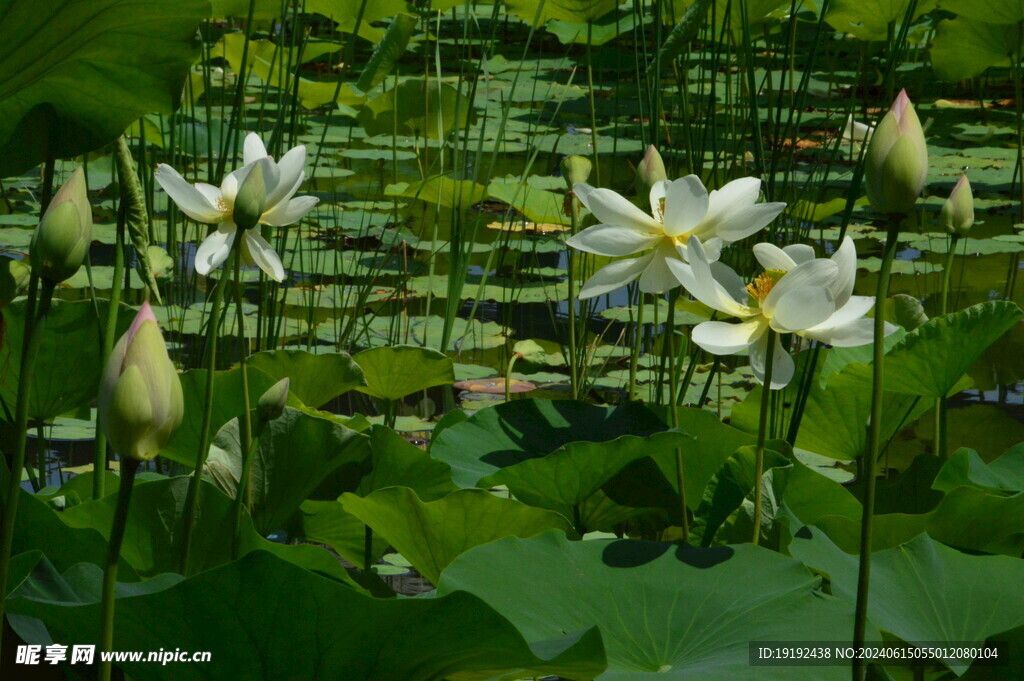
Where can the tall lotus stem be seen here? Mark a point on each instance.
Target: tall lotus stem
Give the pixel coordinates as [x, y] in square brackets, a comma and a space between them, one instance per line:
[245, 419]
[867, 468]
[192, 496]
[762, 432]
[129, 467]
[59, 247]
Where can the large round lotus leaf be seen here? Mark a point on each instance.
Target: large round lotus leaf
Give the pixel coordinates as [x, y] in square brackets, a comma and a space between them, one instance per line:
[925, 591]
[227, 404]
[574, 11]
[393, 462]
[238, 614]
[575, 472]
[394, 372]
[508, 433]
[869, 19]
[664, 610]
[75, 76]
[56, 389]
[40, 528]
[431, 534]
[965, 468]
[293, 454]
[152, 541]
[994, 11]
[933, 357]
[965, 47]
[313, 378]
[422, 107]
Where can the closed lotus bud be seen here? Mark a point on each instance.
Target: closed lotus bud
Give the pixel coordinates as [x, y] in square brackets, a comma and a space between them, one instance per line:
[650, 171]
[576, 169]
[61, 242]
[140, 400]
[958, 211]
[897, 159]
[252, 197]
[271, 403]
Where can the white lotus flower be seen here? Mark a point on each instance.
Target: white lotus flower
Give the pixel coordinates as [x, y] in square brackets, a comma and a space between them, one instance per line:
[212, 205]
[857, 132]
[679, 210]
[797, 293]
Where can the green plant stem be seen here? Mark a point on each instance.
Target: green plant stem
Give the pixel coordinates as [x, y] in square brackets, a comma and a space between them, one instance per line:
[99, 464]
[242, 492]
[34, 323]
[129, 467]
[762, 432]
[245, 419]
[1018, 91]
[593, 105]
[192, 496]
[634, 355]
[867, 467]
[574, 378]
[941, 405]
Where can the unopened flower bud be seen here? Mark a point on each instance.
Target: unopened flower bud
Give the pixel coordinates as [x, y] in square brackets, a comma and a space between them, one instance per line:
[61, 242]
[896, 164]
[576, 169]
[252, 196]
[271, 404]
[650, 171]
[140, 399]
[958, 211]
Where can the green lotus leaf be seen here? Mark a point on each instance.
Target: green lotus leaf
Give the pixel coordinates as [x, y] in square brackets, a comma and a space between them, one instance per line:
[55, 390]
[315, 379]
[394, 372]
[573, 11]
[1005, 474]
[869, 19]
[75, 76]
[234, 612]
[664, 610]
[512, 432]
[152, 540]
[924, 591]
[420, 107]
[293, 455]
[227, 405]
[431, 534]
[995, 11]
[393, 462]
[964, 47]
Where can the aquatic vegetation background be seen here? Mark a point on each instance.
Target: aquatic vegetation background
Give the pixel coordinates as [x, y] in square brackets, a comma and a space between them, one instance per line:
[431, 398]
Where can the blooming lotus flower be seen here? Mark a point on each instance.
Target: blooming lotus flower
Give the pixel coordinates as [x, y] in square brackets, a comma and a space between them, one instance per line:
[61, 242]
[265, 199]
[679, 210]
[857, 132]
[797, 293]
[140, 401]
[958, 210]
[896, 163]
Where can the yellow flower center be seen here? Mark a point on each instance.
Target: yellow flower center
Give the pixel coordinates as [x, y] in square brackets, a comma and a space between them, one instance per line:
[224, 206]
[763, 284]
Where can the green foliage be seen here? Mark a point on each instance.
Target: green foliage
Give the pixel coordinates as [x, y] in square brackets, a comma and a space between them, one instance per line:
[394, 372]
[664, 610]
[236, 614]
[431, 534]
[72, 76]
